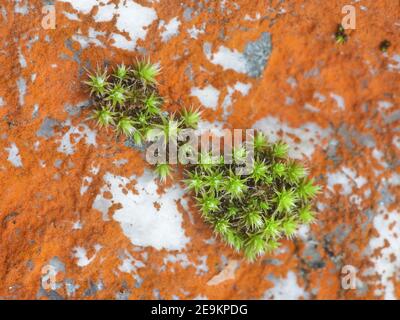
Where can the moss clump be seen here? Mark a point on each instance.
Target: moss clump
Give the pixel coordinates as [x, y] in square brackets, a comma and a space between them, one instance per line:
[126, 100]
[252, 212]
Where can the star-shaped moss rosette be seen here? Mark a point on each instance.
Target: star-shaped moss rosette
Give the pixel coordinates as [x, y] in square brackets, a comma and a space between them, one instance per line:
[126, 99]
[252, 212]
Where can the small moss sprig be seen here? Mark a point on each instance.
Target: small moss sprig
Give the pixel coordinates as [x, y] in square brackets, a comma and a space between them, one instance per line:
[251, 213]
[340, 36]
[384, 46]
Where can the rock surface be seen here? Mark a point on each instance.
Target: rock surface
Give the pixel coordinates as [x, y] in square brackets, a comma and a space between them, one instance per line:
[81, 216]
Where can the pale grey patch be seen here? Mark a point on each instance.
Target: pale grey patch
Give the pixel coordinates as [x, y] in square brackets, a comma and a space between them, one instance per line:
[14, 156]
[311, 73]
[76, 55]
[370, 216]
[58, 163]
[31, 41]
[320, 97]
[123, 295]
[362, 289]
[131, 144]
[289, 101]
[142, 51]
[21, 7]
[387, 197]
[120, 163]
[93, 288]
[311, 108]
[311, 256]
[35, 111]
[4, 14]
[21, 58]
[21, 84]
[202, 268]
[207, 47]
[2, 103]
[187, 14]
[224, 261]
[75, 110]
[291, 81]
[51, 295]
[30, 265]
[57, 264]
[333, 145]
[394, 116]
[285, 288]
[156, 294]
[257, 54]
[271, 261]
[210, 241]
[47, 128]
[339, 234]
[70, 287]
[138, 282]
[189, 72]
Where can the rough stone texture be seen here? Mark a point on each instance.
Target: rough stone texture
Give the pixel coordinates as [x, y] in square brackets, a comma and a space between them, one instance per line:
[77, 202]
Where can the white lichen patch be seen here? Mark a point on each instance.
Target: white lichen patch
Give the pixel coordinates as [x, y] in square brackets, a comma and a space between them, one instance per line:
[86, 181]
[140, 220]
[105, 13]
[208, 96]
[91, 38]
[82, 6]
[228, 59]
[77, 225]
[395, 63]
[129, 264]
[215, 128]
[194, 32]
[134, 18]
[21, 84]
[81, 255]
[339, 100]
[21, 7]
[131, 18]
[74, 135]
[170, 29]
[310, 135]
[14, 156]
[285, 289]
[347, 178]
[240, 87]
[71, 16]
[384, 251]
[181, 258]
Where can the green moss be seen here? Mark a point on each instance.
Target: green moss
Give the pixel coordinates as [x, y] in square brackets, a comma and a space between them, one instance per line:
[250, 212]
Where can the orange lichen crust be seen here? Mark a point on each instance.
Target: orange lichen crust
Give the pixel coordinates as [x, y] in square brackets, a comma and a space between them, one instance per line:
[70, 195]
